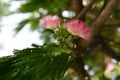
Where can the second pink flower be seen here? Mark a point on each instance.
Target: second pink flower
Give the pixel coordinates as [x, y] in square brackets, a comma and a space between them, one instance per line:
[50, 22]
[78, 28]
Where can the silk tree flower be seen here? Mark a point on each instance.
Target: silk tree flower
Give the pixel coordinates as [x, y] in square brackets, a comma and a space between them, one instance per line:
[108, 70]
[78, 28]
[110, 66]
[50, 22]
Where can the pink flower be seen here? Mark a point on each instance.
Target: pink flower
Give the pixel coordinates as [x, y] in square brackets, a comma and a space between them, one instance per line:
[110, 66]
[78, 28]
[50, 22]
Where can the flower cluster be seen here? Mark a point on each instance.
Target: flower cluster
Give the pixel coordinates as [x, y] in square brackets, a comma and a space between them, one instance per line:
[50, 22]
[75, 27]
[78, 28]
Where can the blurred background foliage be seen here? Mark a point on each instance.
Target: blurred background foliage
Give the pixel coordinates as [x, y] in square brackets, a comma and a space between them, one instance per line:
[4, 8]
[95, 63]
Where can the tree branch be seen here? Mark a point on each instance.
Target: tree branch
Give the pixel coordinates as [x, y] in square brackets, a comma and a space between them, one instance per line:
[79, 53]
[85, 9]
[77, 6]
[104, 5]
[96, 26]
[112, 24]
[109, 24]
[91, 15]
[80, 69]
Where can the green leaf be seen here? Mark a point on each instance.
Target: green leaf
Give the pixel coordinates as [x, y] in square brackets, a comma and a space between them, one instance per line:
[21, 25]
[41, 63]
[34, 24]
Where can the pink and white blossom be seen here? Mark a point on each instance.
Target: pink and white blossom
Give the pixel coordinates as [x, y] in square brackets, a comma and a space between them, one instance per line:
[78, 28]
[110, 66]
[50, 22]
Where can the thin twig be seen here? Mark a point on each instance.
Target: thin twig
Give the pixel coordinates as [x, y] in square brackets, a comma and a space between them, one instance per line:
[85, 9]
[113, 24]
[77, 6]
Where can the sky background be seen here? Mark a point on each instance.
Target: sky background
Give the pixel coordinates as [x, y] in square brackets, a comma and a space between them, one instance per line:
[8, 40]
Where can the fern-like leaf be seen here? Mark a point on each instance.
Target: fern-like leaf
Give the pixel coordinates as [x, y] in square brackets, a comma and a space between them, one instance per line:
[40, 63]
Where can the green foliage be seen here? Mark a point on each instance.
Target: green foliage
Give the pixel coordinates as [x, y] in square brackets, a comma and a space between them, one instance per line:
[39, 63]
[21, 25]
[32, 5]
[4, 8]
[64, 37]
[47, 39]
[89, 21]
[50, 62]
[34, 24]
